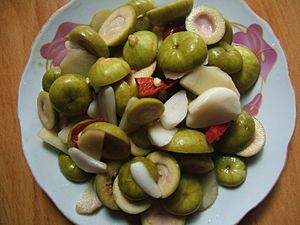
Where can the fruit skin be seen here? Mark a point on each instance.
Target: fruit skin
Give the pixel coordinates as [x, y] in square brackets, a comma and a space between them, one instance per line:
[140, 49]
[228, 36]
[123, 93]
[248, 75]
[188, 141]
[47, 114]
[70, 94]
[126, 182]
[50, 76]
[230, 170]
[187, 198]
[140, 138]
[104, 183]
[238, 135]
[98, 18]
[141, 6]
[70, 170]
[89, 39]
[107, 71]
[226, 57]
[116, 143]
[165, 14]
[181, 51]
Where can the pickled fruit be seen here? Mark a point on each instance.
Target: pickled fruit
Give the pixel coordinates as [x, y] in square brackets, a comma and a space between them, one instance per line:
[50, 76]
[99, 18]
[123, 93]
[46, 112]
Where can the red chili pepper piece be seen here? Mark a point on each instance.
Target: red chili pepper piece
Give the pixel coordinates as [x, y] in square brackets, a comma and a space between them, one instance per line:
[146, 86]
[215, 132]
[76, 130]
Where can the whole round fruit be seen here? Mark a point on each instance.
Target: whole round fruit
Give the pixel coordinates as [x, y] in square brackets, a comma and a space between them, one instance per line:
[70, 94]
[181, 51]
[238, 135]
[50, 76]
[230, 171]
[126, 182]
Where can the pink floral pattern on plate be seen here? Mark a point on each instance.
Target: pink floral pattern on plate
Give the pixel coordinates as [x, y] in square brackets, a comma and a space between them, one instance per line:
[252, 37]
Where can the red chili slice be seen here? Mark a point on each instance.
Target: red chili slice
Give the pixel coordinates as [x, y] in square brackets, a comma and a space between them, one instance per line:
[76, 130]
[146, 86]
[215, 132]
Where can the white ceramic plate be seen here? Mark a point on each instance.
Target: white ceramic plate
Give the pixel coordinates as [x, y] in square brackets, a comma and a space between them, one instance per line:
[277, 113]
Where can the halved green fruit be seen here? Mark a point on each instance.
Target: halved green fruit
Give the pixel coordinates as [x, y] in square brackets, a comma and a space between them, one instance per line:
[145, 110]
[230, 170]
[181, 51]
[228, 36]
[107, 71]
[104, 185]
[90, 40]
[187, 198]
[195, 164]
[98, 18]
[116, 143]
[168, 171]
[126, 182]
[207, 22]
[50, 76]
[140, 49]
[238, 135]
[46, 112]
[118, 25]
[189, 141]
[248, 75]
[165, 14]
[141, 6]
[140, 138]
[123, 93]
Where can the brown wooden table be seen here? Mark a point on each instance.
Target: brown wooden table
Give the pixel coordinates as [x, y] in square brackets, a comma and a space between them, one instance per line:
[22, 201]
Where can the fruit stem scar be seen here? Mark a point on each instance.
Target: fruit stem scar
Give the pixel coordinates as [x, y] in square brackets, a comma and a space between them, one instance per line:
[132, 40]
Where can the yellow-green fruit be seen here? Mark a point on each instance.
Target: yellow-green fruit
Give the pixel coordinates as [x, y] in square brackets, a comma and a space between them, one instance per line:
[141, 6]
[107, 71]
[140, 49]
[189, 141]
[50, 76]
[99, 17]
[123, 93]
[126, 183]
[228, 36]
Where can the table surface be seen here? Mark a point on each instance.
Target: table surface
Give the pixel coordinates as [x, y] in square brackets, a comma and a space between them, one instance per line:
[22, 201]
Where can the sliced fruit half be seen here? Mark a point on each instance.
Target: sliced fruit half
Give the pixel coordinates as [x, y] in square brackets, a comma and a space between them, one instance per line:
[168, 172]
[195, 164]
[208, 22]
[118, 25]
[46, 112]
[210, 189]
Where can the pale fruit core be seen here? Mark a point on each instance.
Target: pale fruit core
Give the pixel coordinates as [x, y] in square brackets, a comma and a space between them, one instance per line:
[205, 25]
[115, 26]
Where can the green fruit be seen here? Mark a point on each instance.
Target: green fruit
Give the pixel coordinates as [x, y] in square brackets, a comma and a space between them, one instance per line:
[141, 6]
[70, 94]
[238, 135]
[187, 198]
[104, 185]
[181, 51]
[47, 114]
[108, 71]
[228, 36]
[140, 49]
[126, 182]
[195, 164]
[140, 138]
[143, 23]
[231, 171]
[116, 144]
[49, 77]
[168, 13]
[168, 170]
[226, 57]
[70, 170]
[138, 151]
[207, 22]
[119, 24]
[188, 141]
[123, 93]
[98, 18]
[89, 39]
[248, 75]
[145, 110]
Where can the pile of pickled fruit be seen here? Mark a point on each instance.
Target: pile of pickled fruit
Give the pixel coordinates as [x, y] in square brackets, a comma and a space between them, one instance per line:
[146, 106]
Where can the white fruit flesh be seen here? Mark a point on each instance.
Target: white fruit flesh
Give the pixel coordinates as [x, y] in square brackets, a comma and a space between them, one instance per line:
[63, 134]
[144, 180]
[91, 142]
[175, 110]
[107, 104]
[77, 61]
[52, 139]
[85, 162]
[214, 106]
[124, 123]
[160, 136]
[93, 109]
[210, 189]
[206, 22]
[46, 111]
[89, 201]
[257, 143]
[147, 71]
[203, 78]
[129, 206]
[174, 75]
